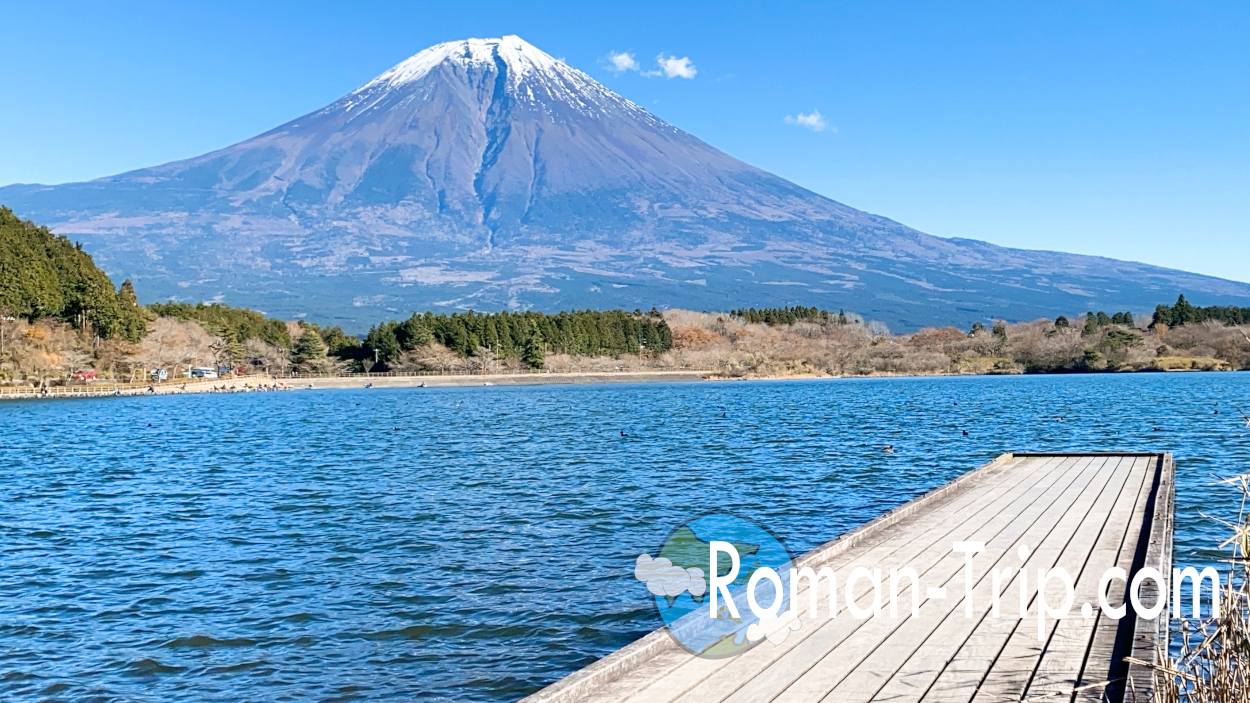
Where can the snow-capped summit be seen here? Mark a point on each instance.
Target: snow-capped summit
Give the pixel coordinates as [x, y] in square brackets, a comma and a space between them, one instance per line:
[512, 68]
[517, 56]
[484, 173]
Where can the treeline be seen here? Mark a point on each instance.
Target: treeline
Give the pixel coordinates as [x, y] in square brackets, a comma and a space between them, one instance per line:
[1095, 321]
[43, 275]
[1183, 312]
[789, 316]
[235, 324]
[527, 336]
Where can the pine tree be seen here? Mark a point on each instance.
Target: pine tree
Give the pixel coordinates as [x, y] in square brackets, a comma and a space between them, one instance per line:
[533, 354]
[383, 343]
[310, 351]
[133, 325]
[1091, 324]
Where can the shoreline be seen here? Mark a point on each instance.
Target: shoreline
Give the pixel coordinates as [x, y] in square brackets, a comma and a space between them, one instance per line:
[249, 384]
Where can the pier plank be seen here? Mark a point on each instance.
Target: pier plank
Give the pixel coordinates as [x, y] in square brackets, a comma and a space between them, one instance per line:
[896, 546]
[1083, 512]
[924, 653]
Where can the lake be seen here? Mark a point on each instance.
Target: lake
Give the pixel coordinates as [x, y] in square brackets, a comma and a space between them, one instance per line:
[479, 543]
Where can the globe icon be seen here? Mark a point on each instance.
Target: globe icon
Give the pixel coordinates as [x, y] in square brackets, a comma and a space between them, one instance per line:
[678, 577]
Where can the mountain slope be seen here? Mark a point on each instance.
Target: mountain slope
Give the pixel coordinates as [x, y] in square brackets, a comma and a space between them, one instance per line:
[485, 173]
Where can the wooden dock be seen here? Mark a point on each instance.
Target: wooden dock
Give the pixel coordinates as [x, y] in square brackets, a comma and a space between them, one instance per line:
[1085, 513]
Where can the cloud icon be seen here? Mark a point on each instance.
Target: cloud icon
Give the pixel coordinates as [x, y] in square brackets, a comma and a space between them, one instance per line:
[776, 629]
[664, 579]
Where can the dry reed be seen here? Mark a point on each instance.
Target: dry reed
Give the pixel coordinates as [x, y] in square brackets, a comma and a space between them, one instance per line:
[1213, 661]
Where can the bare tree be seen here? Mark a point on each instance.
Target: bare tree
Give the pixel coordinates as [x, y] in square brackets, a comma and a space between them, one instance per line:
[172, 343]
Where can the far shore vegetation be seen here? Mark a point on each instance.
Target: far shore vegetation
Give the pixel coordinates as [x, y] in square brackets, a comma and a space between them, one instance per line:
[62, 321]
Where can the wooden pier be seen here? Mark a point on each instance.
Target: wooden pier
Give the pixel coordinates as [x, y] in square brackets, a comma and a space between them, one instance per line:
[1085, 513]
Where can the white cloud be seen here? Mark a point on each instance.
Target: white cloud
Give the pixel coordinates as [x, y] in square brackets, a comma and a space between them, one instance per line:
[673, 67]
[814, 121]
[775, 627]
[620, 62]
[667, 66]
[664, 579]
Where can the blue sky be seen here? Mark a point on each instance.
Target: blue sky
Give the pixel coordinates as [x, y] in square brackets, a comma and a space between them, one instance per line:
[1106, 128]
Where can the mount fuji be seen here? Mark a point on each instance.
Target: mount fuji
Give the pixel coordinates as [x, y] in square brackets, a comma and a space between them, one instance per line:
[486, 174]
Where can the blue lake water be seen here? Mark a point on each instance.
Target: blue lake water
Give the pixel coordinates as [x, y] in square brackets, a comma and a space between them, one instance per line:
[479, 543]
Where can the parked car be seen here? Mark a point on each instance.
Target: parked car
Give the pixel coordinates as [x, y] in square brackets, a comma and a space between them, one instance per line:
[84, 375]
[203, 372]
[159, 375]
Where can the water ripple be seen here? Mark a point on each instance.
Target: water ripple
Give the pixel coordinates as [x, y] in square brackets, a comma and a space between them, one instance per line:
[296, 547]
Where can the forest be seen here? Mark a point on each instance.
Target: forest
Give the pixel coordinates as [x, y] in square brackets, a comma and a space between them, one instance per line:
[45, 276]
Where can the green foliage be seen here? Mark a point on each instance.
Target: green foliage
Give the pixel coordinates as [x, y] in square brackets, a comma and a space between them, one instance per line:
[1091, 324]
[788, 316]
[309, 350]
[383, 342]
[233, 324]
[977, 327]
[525, 335]
[1183, 312]
[337, 342]
[533, 353]
[1093, 359]
[1061, 323]
[133, 324]
[45, 275]
[1122, 339]
[1098, 320]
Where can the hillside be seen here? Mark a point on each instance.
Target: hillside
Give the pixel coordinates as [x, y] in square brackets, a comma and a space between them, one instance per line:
[43, 275]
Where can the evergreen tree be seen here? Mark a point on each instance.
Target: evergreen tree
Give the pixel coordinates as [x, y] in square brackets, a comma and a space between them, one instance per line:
[45, 275]
[1183, 312]
[533, 354]
[784, 316]
[382, 343]
[133, 325]
[310, 351]
[237, 324]
[1061, 323]
[1091, 324]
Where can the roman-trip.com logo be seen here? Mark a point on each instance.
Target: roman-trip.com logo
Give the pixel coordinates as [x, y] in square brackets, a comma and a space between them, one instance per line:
[723, 584]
